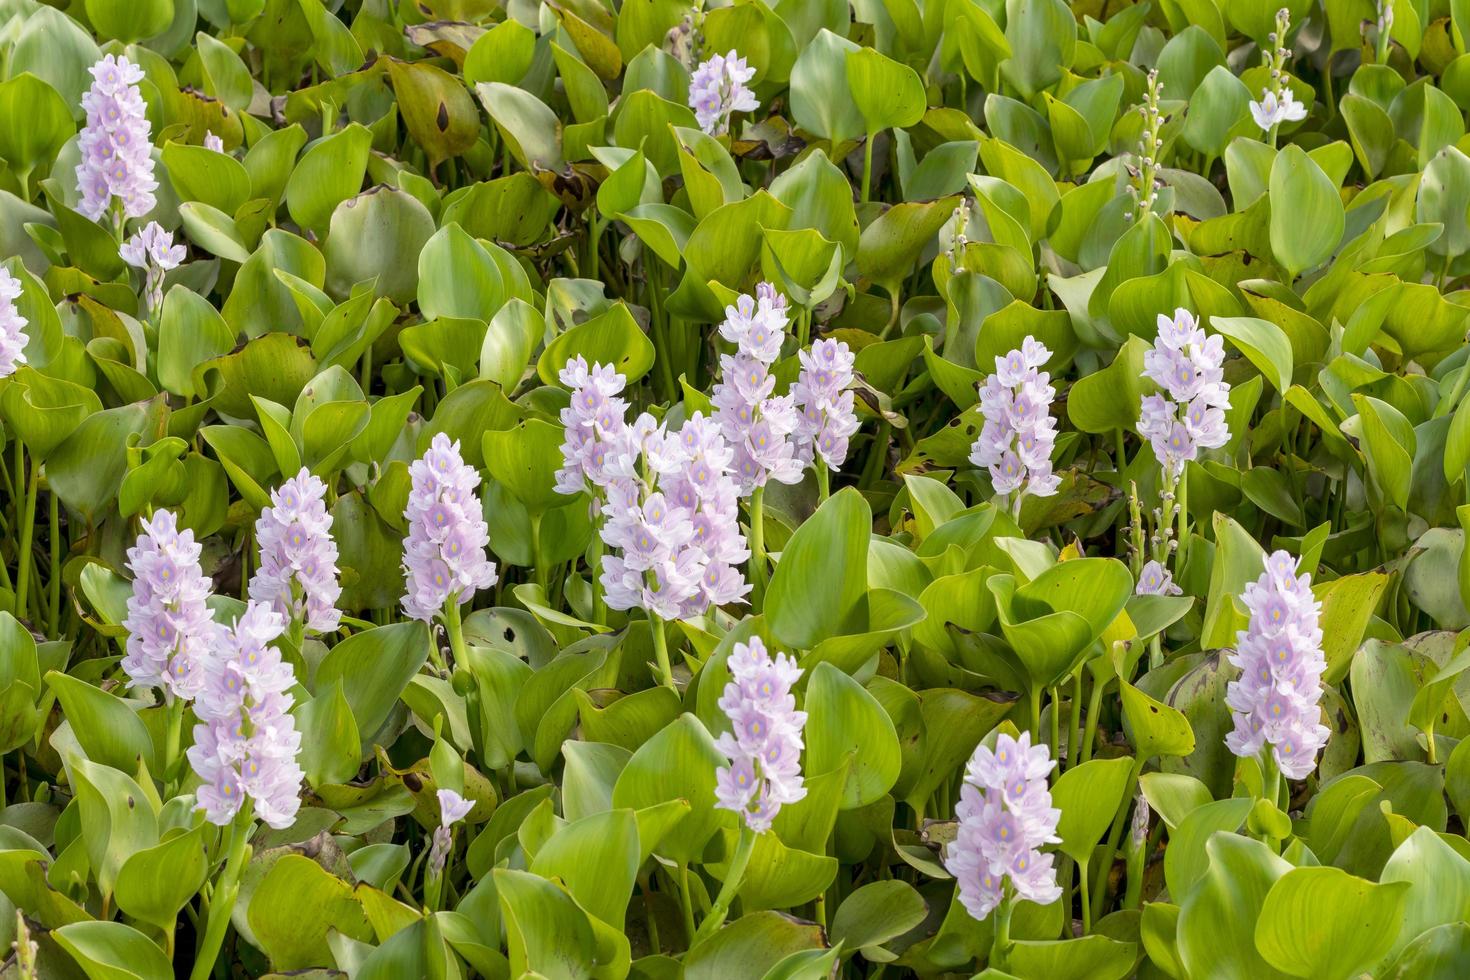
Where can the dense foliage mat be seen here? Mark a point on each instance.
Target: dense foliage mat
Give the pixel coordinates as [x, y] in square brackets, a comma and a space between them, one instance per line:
[772, 488]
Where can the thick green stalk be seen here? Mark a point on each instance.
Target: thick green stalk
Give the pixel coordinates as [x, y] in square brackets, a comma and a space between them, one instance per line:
[226, 890]
[27, 533]
[733, 877]
[55, 583]
[758, 546]
[661, 651]
[1000, 947]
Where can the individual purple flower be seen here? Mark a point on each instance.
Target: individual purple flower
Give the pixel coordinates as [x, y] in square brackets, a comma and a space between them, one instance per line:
[1017, 437]
[1276, 700]
[822, 396]
[764, 744]
[452, 809]
[298, 557]
[12, 325]
[444, 556]
[170, 632]
[1155, 579]
[673, 522]
[757, 423]
[596, 427]
[1005, 817]
[213, 142]
[718, 89]
[1276, 108]
[1190, 414]
[152, 250]
[115, 143]
[246, 743]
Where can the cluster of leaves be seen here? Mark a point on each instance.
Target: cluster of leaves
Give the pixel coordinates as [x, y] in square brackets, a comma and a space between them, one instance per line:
[424, 209]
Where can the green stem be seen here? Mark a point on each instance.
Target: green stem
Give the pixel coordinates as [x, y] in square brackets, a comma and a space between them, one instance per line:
[1183, 522]
[1000, 947]
[1056, 723]
[661, 651]
[1115, 835]
[1094, 706]
[1074, 728]
[27, 532]
[55, 583]
[225, 892]
[594, 575]
[454, 627]
[686, 902]
[758, 546]
[173, 737]
[1034, 693]
[733, 876]
[1086, 899]
[536, 557]
[824, 481]
[867, 165]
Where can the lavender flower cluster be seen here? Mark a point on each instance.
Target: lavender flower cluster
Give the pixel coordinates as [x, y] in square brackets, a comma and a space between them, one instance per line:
[669, 502]
[755, 421]
[596, 430]
[12, 326]
[170, 632]
[444, 556]
[676, 530]
[1187, 365]
[764, 749]
[1005, 815]
[115, 143]
[1276, 700]
[452, 809]
[1155, 579]
[246, 742]
[718, 89]
[1018, 435]
[297, 576]
[823, 394]
[152, 250]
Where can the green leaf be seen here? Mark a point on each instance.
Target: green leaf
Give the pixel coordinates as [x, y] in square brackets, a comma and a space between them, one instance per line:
[1263, 343]
[329, 173]
[374, 667]
[48, 123]
[1305, 232]
[113, 951]
[154, 884]
[1324, 922]
[887, 93]
[877, 912]
[677, 763]
[1218, 918]
[847, 722]
[833, 540]
[1088, 796]
[612, 337]
[293, 908]
[107, 729]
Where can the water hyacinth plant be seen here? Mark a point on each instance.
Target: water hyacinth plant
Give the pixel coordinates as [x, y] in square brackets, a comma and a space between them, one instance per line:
[772, 489]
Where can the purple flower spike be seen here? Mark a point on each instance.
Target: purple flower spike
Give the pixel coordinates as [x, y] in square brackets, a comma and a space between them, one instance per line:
[825, 402]
[1005, 816]
[170, 632]
[764, 747]
[1017, 438]
[444, 556]
[1190, 415]
[719, 89]
[12, 326]
[246, 743]
[298, 558]
[115, 143]
[755, 422]
[152, 250]
[1276, 701]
